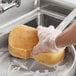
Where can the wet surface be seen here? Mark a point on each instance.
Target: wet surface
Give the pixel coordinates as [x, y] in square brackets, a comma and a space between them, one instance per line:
[15, 66]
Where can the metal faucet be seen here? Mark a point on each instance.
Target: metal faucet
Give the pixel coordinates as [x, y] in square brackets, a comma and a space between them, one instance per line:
[7, 4]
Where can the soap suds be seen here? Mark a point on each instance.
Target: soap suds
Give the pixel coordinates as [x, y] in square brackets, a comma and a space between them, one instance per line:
[32, 68]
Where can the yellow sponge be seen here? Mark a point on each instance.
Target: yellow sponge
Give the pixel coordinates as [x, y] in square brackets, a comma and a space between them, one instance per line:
[21, 41]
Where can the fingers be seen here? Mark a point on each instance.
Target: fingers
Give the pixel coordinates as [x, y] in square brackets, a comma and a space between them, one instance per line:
[36, 49]
[45, 34]
[42, 27]
[40, 47]
[39, 27]
[45, 30]
[51, 27]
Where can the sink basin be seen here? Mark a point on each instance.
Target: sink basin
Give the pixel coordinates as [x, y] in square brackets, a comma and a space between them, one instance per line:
[46, 21]
[53, 13]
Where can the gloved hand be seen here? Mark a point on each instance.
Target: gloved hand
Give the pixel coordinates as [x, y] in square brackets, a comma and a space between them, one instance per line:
[47, 36]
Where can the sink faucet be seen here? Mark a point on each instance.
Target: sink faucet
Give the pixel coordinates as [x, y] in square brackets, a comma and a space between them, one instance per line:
[7, 4]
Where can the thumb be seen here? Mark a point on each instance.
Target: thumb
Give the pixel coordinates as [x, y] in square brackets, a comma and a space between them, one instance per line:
[36, 49]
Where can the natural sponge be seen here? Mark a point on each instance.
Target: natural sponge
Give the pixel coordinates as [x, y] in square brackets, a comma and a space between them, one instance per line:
[21, 41]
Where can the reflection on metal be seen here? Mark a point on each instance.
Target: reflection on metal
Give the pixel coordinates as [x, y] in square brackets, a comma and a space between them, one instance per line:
[67, 20]
[1, 9]
[20, 20]
[7, 4]
[53, 14]
[39, 17]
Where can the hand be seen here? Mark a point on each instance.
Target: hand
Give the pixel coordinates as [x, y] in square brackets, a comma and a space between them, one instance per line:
[46, 42]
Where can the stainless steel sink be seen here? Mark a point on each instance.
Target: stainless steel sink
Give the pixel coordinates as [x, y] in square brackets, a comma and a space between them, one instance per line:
[53, 12]
[46, 21]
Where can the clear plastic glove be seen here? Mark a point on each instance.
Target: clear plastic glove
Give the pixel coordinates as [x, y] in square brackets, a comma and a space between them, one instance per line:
[47, 36]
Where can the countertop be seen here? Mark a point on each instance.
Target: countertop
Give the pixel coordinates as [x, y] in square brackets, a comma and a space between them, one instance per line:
[71, 1]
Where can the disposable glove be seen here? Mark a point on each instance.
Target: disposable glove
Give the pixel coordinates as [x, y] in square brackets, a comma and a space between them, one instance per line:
[47, 36]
